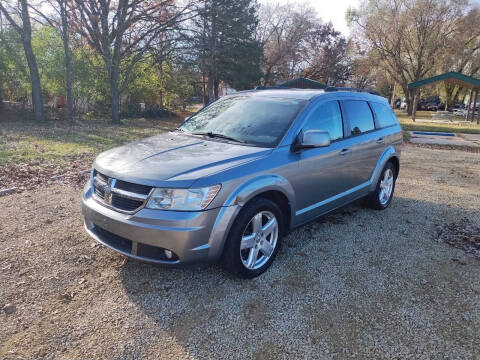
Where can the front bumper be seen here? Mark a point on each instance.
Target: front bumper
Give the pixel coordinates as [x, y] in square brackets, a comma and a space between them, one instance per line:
[193, 237]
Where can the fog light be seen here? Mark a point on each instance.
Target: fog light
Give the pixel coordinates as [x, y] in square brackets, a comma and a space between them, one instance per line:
[168, 254]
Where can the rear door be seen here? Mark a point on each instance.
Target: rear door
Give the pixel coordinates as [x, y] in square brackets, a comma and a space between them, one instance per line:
[363, 143]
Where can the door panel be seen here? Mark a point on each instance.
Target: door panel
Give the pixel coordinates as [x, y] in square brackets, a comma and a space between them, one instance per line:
[321, 170]
[366, 144]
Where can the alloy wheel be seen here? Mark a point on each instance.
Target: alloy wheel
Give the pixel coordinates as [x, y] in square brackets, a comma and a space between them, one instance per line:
[259, 240]
[386, 187]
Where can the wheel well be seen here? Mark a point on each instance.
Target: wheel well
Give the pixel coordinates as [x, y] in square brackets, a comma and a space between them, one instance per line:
[396, 164]
[282, 201]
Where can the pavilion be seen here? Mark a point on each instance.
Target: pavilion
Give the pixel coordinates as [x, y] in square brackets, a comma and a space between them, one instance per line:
[462, 80]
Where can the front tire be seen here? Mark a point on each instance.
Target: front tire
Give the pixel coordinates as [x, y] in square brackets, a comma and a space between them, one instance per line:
[383, 194]
[254, 238]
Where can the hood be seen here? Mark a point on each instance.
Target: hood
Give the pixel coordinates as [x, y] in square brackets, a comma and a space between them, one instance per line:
[173, 157]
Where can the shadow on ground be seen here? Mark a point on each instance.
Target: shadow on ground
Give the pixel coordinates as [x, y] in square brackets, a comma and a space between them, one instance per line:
[355, 283]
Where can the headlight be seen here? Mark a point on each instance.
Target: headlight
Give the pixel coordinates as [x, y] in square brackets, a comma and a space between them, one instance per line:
[182, 199]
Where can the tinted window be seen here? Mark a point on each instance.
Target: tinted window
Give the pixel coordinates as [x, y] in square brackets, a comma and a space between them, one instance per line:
[326, 116]
[254, 120]
[360, 116]
[385, 116]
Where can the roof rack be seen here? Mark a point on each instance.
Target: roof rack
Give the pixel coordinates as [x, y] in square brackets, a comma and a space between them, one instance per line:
[272, 87]
[333, 88]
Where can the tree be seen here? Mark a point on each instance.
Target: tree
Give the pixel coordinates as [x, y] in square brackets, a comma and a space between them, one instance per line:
[462, 54]
[24, 29]
[408, 36]
[284, 32]
[121, 31]
[223, 37]
[329, 59]
[58, 18]
[297, 43]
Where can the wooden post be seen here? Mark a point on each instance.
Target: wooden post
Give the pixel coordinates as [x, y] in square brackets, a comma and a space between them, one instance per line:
[474, 106]
[469, 103]
[392, 101]
[415, 101]
[474, 103]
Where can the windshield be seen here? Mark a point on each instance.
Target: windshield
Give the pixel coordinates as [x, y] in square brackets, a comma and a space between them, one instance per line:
[251, 120]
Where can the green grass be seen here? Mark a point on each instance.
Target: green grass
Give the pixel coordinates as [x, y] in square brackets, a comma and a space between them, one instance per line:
[26, 141]
[420, 125]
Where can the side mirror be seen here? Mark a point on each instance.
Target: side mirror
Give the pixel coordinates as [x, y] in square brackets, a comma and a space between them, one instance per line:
[313, 139]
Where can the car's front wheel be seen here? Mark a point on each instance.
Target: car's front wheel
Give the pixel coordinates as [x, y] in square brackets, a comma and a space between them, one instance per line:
[254, 238]
[382, 197]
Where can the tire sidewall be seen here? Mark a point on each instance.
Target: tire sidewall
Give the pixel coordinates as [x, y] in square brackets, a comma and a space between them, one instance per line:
[231, 258]
[376, 200]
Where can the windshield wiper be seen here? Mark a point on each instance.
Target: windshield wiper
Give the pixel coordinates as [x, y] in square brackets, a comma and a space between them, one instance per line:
[215, 135]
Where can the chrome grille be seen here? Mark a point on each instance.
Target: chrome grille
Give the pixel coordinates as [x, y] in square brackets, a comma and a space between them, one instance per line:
[118, 194]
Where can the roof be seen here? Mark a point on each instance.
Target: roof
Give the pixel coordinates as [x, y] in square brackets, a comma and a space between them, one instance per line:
[452, 77]
[308, 94]
[300, 94]
[304, 83]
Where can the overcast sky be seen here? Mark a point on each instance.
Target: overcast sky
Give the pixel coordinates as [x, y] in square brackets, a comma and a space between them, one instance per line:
[334, 10]
[329, 10]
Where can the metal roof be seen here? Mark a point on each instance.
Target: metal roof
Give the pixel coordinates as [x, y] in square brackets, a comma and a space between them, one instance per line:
[453, 77]
[304, 83]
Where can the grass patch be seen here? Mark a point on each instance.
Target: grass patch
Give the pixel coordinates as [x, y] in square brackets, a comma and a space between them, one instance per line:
[26, 141]
[419, 125]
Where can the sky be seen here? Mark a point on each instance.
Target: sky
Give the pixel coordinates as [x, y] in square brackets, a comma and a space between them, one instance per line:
[329, 10]
[334, 11]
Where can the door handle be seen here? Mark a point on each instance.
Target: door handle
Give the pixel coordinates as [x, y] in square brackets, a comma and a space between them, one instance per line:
[380, 141]
[345, 151]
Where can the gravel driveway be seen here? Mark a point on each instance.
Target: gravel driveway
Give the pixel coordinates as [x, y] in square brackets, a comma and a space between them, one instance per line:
[356, 284]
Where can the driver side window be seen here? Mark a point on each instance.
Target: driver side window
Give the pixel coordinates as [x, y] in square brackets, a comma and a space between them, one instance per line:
[326, 116]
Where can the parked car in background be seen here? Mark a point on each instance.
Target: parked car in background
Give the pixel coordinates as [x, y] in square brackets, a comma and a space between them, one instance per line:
[460, 112]
[234, 178]
[431, 107]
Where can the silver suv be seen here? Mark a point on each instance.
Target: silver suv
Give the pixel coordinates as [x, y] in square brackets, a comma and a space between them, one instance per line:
[235, 177]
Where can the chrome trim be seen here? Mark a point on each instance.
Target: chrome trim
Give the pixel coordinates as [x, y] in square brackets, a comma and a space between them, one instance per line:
[110, 184]
[129, 194]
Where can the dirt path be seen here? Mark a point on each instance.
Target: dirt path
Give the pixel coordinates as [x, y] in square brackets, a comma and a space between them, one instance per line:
[359, 283]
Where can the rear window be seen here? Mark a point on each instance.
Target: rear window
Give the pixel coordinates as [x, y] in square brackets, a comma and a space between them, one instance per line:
[384, 114]
[359, 115]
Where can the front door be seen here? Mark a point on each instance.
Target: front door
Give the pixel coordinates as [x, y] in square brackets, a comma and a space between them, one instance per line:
[320, 169]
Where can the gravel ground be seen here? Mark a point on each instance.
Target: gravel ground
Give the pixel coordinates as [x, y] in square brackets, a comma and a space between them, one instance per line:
[356, 284]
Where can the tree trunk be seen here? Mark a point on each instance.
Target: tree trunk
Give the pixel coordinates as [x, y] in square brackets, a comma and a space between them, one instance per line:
[215, 88]
[37, 98]
[68, 61]
[115, 95]
[211, 95]
[392, 100]
[410, 94]
[415, 102]
[469, 104]
[204, 92]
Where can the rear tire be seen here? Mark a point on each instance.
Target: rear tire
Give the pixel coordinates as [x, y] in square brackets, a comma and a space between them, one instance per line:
[254, 239]
[381, 198]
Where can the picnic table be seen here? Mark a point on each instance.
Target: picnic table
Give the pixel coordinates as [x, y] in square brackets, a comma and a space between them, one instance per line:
[443, 115]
